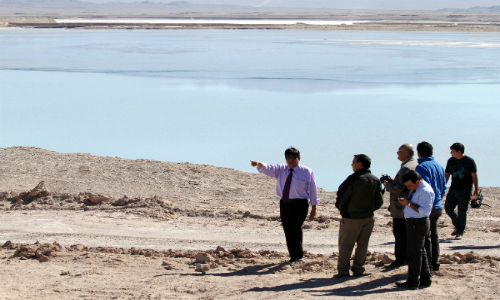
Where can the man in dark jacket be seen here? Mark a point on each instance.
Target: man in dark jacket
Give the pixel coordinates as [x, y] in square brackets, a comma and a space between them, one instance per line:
[357, 198]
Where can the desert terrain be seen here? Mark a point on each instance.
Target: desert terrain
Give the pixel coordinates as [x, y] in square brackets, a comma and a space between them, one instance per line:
[89, 227]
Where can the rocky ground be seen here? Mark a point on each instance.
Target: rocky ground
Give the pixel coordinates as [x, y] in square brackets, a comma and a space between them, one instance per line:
[83, 226]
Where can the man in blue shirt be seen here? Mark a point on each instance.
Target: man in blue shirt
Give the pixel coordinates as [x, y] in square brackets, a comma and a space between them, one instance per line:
[416, 211]
[432, 173]
[296, 183]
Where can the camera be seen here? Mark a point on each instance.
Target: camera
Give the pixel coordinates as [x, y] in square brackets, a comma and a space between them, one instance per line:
[385, 178]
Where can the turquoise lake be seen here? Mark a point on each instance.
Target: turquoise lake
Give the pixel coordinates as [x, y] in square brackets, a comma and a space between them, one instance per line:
[223, 97]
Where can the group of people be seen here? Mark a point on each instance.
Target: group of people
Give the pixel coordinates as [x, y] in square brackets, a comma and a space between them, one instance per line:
[415, 206]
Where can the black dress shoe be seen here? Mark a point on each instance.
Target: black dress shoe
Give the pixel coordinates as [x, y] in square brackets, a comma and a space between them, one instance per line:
[397, 264]
[435, 267]
[406, 285]
[341, 276]
[425, 284]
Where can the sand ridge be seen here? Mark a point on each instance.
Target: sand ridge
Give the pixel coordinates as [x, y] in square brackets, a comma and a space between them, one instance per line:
[78, 225]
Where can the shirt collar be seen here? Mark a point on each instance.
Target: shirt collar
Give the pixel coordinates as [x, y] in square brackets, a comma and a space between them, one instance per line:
[298, 167]
[425, 159]
[408, 160]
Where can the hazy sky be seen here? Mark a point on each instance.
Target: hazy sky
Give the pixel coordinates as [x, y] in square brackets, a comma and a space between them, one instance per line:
[346, 4]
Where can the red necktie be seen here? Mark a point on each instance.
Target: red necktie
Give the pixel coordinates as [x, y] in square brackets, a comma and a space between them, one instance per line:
[286, 188]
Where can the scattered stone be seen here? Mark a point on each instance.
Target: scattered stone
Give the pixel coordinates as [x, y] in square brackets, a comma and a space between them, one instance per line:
[120, 202]
[203, 258]
[39, 190]
[220, 249]
[99, 199]
[472, 256]
[43, 258]
[202, 268]
[445, 261]
[386, 259]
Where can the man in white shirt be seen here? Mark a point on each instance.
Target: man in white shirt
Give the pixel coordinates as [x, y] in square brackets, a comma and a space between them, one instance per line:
[416, 211]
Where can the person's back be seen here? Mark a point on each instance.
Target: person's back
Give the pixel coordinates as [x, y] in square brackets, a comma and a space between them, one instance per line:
[433, 173]
[366, 196]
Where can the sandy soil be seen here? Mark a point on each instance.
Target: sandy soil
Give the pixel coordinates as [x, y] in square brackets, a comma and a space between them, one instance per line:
[111, 228]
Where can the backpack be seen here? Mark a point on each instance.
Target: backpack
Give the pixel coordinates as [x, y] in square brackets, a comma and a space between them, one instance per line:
[478, 201]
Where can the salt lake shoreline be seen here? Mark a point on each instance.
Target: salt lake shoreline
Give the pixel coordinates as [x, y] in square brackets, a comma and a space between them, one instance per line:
[388, 21]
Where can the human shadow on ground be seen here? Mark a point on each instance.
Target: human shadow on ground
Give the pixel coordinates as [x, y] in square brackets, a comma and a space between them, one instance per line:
[362, 289]
[264, 269]
[470, 247]
[252, 270]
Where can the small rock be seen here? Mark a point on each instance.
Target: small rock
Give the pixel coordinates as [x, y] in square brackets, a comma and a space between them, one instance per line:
[386, 259]
[202, 268]
[43, 258]
[323, 219]
[120, 202]
[219, 249]
[99, 199]
[20, 202]
[445, 261]
[39, 190]
[471, 255]
[203, 258]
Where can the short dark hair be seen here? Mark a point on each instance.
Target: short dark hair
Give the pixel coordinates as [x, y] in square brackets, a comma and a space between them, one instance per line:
[364, 160]
[424, 149]
[293, 152]
[458, 147]
[411, 175]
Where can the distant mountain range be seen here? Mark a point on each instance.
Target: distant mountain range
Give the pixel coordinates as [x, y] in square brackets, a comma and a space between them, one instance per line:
[74, 6]
[30, 6]
[475, 9]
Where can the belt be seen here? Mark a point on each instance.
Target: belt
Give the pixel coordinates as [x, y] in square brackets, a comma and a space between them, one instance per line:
[409, 219]
[292, 200]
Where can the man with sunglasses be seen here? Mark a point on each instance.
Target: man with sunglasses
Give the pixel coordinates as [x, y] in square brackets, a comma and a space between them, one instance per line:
[295, 185]
[397, 189]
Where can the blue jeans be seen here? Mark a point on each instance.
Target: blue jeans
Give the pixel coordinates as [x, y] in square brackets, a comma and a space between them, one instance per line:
[460, 198]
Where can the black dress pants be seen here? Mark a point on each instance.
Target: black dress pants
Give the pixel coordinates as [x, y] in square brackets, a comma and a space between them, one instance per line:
[293, 214]
[432, 243]
[400, 242]
[417, 230]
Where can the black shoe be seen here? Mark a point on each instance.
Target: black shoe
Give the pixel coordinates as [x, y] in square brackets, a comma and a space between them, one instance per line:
[435, 267]
[454, 232]
[396, 264]
[425, 284]
[341, 276]
[459, 236]
[361, 274]
[406, 285]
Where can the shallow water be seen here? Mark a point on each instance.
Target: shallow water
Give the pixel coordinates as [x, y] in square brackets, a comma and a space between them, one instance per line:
[225, 97]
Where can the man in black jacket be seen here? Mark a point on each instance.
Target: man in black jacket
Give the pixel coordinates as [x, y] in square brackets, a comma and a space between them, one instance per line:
[357, 198]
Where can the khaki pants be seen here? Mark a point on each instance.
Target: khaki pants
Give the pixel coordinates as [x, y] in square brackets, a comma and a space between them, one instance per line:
[353, 231]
